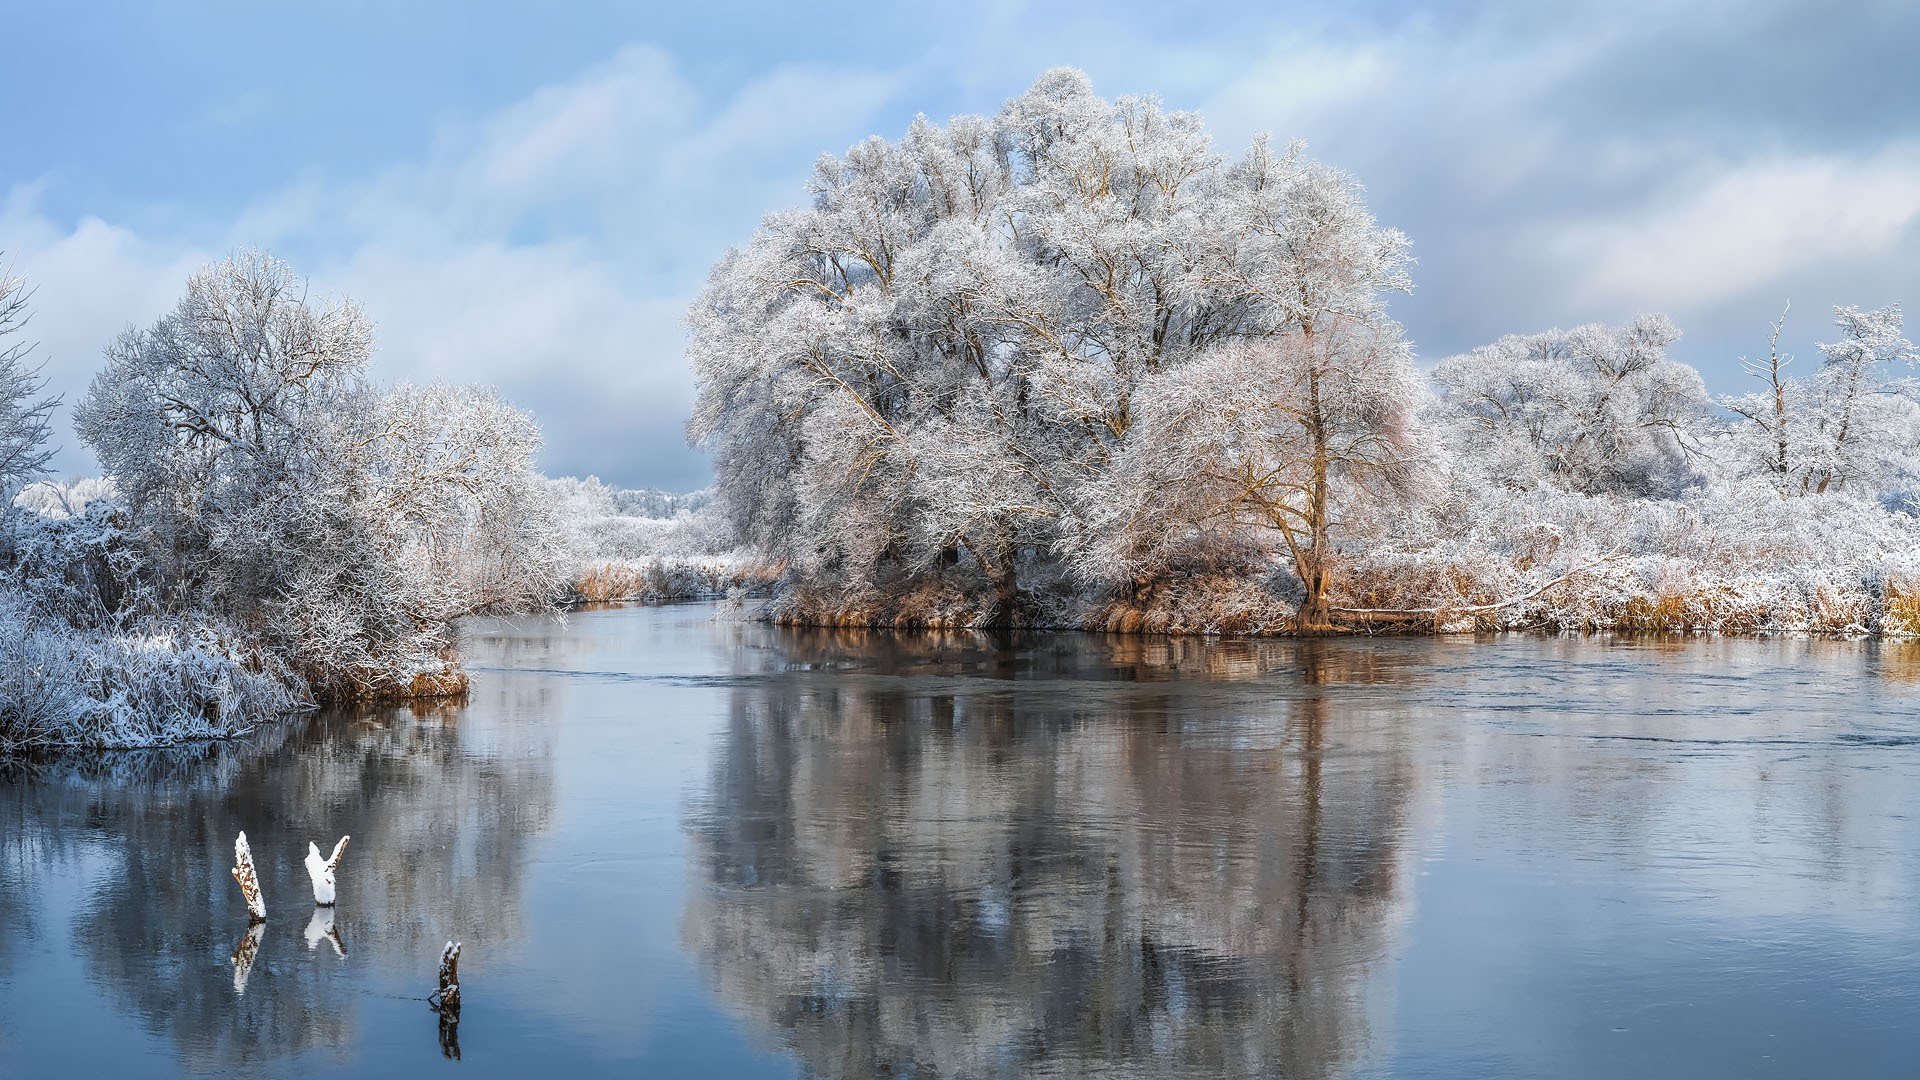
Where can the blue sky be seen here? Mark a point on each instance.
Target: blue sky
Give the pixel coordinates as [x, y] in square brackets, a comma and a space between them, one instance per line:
[528, 195]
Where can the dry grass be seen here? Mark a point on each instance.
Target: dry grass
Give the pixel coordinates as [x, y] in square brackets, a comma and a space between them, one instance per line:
[1900, 609]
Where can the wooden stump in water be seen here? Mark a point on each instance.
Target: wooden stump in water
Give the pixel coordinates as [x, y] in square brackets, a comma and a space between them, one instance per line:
[322, 870]
[447, 998]
[249, 881]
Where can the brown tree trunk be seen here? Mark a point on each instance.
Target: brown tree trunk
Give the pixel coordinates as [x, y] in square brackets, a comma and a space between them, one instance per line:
[1006, 590]
[1313, 617]
[1003, 572]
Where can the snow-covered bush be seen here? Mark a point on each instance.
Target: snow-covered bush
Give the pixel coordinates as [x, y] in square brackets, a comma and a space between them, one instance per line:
[151, 683]
[1734, 559]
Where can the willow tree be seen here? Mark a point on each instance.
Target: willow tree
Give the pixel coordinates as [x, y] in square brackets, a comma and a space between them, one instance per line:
[943, 357]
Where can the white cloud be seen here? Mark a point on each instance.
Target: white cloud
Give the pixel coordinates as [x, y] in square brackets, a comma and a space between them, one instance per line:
[549, 249]
[584, 132]
[90, 280]
[1753, 224]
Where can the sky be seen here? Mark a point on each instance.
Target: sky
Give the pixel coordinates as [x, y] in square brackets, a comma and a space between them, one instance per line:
[529, 195]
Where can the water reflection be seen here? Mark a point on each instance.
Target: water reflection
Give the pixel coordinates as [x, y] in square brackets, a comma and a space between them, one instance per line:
[675, 847]
[321, 928]
[153, 836]
[1037, 876]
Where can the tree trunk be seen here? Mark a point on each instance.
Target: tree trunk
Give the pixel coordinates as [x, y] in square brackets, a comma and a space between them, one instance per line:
[1006, 591]
[1003, 572]
[1313, 617]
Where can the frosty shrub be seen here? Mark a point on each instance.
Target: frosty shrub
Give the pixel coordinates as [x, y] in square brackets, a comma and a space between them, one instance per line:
[648, 545]
[150, 684]
[1597, 409]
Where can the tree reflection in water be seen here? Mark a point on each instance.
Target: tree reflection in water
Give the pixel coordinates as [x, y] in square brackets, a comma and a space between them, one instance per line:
[1072, 865]
[164, 912]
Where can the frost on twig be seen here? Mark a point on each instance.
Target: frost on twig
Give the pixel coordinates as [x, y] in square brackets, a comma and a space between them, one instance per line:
[249, 881]
[322, 870]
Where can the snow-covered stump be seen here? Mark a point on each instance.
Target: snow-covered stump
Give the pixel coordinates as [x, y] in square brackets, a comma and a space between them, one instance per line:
[447, 998]
[249, 881]
[322, 870]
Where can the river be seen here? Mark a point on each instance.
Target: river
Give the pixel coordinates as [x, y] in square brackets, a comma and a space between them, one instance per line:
[677, 846]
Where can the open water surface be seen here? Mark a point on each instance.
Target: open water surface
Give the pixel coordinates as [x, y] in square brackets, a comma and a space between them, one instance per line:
[674, 846]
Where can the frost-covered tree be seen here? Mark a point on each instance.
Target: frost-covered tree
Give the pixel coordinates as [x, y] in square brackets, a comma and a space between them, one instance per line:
[1866, 428]
[1853, 426]
[455, 477]
[941, 358]
[1291, 437]
[273, 484]
[1592, 410]
[1768, 439]
[25, 412]
[229, 426]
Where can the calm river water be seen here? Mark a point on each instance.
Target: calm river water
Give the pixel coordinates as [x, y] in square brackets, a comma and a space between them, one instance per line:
[674, 846]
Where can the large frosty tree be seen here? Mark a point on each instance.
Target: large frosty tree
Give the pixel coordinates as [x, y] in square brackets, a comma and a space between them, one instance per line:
[942, 359]
[273, 484]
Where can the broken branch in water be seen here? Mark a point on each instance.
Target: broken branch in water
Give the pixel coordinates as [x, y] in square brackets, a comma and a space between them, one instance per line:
[249, 881]
[322, 870]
